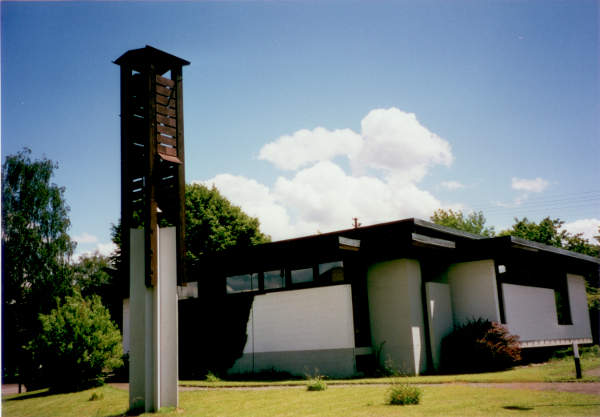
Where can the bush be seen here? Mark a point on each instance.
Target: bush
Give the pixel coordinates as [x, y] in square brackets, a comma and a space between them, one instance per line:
[316, 382]
[480, 346]
[210, 377]
[400, 393]
[78, 346]
[585, 352]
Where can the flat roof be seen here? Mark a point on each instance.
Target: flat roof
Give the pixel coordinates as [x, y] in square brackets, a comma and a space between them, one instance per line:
[407, 238]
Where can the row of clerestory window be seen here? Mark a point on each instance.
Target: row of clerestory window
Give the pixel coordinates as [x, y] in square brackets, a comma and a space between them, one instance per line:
[329, 272]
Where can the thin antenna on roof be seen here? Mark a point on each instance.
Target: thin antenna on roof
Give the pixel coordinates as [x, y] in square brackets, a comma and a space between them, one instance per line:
[356, 225]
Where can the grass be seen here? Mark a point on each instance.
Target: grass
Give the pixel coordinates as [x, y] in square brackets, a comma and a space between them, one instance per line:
[438, 400]
[111, 401]
[400, 393]
[562, 370]
[448, 398]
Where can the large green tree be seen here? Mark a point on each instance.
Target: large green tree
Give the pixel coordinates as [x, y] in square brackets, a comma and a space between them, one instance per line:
[212, 223]
[549, 232]
[36, 252]
[472, 223]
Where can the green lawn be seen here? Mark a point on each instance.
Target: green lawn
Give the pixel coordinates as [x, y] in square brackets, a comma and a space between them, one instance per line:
[448, 398]
[557, 371]
[442, 400]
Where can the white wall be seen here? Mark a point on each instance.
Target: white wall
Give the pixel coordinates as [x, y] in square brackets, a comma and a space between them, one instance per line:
[301, 331]
[473, 290]
[310, 319]
[396, 313]
[439, 313]
[531, 314]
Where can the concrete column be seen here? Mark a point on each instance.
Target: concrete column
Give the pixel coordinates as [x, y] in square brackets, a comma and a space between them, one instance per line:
[153, 370]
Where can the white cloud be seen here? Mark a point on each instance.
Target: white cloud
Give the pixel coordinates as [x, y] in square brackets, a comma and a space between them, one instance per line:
[305, 147]
[536, 186]
[85, 238]
[452, 185]
[395, 142]
[391, 140]
[589, 228]
[324, 198]
[105, 249]
[518, 201]
[321, 196]
[256, 201]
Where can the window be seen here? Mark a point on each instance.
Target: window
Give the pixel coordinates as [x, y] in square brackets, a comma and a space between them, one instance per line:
[275, 279]
[563, 307]
[332, 271]
[242, 283]
[302, 275]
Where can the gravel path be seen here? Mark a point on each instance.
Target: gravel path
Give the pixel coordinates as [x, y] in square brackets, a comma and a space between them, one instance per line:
[592, 388]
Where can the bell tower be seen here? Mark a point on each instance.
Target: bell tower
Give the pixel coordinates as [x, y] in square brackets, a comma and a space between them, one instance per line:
[152, 218]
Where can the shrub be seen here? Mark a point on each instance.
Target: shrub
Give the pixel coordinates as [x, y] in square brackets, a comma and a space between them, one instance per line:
[78, 345]
[315, 382]
[585, 352]
[480, 346]
[210, 377]
[400, 393]
[96, 397]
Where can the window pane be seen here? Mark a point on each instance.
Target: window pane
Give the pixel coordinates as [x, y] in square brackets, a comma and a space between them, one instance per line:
[274, 279]
[333, 271]
[302, 275]
[241, 283]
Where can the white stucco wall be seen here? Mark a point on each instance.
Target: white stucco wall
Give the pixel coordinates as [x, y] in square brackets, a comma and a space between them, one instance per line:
[473, 290]
[531, 314]
[396, 313]
[439, 314]
[310, 319]
[301, 331]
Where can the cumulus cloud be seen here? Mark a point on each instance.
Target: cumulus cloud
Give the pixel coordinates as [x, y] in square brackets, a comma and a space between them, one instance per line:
[589, 228]
[391, 140]
[322, 196]
[305, 147]
[394, 141]
[452, 185]
[256, 200]
[105, 249]
[85, 238]
[535, 186]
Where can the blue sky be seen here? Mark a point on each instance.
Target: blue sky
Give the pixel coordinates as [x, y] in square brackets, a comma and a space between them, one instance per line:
[307, 114]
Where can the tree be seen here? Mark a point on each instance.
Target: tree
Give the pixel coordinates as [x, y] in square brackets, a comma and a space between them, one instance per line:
[89, 272]
[473, 223]
[36, 251]
[212, 223]
[546, 232]
[78, 344]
